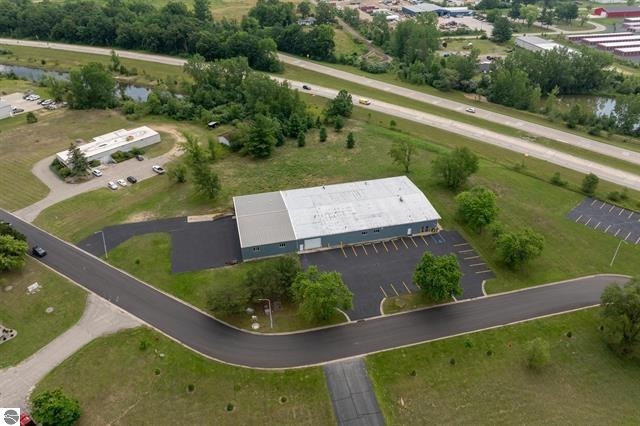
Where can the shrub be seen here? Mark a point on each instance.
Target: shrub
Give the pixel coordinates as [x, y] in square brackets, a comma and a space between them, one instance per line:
[143, 345]
[94, 163]
[614, 196]
[31, 118]
[228, 298]
[538, 354]
[323, 134]
[55, 408]
[557, 180]
[590, 183]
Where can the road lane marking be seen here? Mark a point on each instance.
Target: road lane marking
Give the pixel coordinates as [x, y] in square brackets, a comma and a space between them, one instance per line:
[405, 244]
[354, 251]
[477, 264]
[425, 241]
[588, 221]
[596, 227]
[579, 217]
[383, 292]
[406, 286]
[394, 244]
[617, 232]
[394, 289]
[471, 257]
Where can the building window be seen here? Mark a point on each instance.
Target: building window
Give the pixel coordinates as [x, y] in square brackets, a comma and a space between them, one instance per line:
[256, 248]
[283, 244]
[365, 232]
[376, 230]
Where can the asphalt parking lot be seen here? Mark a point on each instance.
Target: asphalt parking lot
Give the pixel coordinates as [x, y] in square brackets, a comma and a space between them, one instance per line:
[604, 217]
[377, 270]
[195, 245]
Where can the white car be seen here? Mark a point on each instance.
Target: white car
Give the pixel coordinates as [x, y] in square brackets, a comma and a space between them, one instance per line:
[159, 170]
[122, 182]
[46, 102]
[33, 97]
[112, 185]
[96, 172]
[471, 110]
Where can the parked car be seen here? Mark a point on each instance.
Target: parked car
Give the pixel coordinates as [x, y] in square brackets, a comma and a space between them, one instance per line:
[139, 157]
[38, 251]
[364, 101]
[159, 170]
[47, 102]
[471, 110]
[15, 110]
[305, 87]
[121, 182]
[27, 94]
[96, 172]
[132, 179]
[112, 185]
[25, 419]
[51, 107]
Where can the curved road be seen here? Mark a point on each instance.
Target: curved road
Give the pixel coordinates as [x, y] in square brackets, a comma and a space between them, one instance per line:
[559, 158]
[214, 339]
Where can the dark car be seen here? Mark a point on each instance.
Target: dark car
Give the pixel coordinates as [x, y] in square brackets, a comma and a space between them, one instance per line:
[139, 157]
[132, 179]
[305, 87]
[38, 251]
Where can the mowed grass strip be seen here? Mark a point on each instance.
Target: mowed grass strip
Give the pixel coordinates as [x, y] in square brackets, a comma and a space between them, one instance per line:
[148, 257]
[585, 383]
[26, 312]
[117, 382]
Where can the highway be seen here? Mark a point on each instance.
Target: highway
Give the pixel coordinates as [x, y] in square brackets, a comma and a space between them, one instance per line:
[612, 174]
[216, 340]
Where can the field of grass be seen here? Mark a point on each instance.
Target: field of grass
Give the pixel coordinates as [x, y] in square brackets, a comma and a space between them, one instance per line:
[486, 47]
[585, 383]
[574, 26]
[406, 302]
[116, 382]
[346, 45]
[525, 196]
[148, 257]
[26, 312]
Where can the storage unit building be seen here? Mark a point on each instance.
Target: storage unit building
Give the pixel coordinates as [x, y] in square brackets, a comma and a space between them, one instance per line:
[617, 11]
[628, 51]
[5, 110]
[580, 37]
[595, 40]
[618, 44]
[275, 223]
[101, 147]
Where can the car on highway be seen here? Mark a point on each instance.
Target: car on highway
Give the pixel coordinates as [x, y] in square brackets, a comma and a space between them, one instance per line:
[364, 101]
[96, 172]
[158, 169]
[38, 251]
[305, 87]
[121, 182]
[132, 179]
[471, 110]
[112, 185]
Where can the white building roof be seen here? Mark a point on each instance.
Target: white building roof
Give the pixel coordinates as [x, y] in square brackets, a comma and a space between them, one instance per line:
[620, 43]
[628, 49]
[328, 210]
[611, 39]
[110, 141]
[542, 43]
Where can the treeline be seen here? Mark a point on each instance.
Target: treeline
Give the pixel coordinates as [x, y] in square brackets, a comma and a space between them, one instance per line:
[172, 29]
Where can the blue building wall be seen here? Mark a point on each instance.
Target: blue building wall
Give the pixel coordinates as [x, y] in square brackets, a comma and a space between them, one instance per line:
[336, 240]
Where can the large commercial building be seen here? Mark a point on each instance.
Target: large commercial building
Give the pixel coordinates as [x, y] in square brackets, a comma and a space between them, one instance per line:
[420, 8]
[5, 110]
[297, 220]
[535, 44]
[101, 147]
[617, 11]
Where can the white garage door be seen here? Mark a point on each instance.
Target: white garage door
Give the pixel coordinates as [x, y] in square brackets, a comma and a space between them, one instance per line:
[313, 243]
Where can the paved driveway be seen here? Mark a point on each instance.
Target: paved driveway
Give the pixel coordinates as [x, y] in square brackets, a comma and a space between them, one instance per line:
[195, 245]
[604, 217]
[375, 271]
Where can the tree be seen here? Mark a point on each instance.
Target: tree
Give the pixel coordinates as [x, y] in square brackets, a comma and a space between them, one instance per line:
[477, 207]
[351, 141]
[54, 408]
[590, 183]
[338, 123]
[517, 248]
[115, 61]
[302, 141]
[272, 279]
[501, 30]
[206, 181]
[455, 168]
[228, 298]
[7, 229]
[31, 118]
[262, 137]
[304, 8]
[621, 314]
[78, 163]
[319, 294]
[538, 354]
[567, 11]
[530, 13]
[325, 13]
[438, 276]
[322, 135]
[201, 10]
[178, 173]
[341, 105]
[92, 87]
[212, 148]
[401, 152]
[12, 252]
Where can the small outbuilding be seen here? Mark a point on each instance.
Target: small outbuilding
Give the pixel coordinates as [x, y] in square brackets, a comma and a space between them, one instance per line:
[298, 220]
[5, 110]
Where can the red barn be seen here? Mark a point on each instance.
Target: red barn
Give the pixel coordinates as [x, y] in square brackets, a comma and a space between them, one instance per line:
[617, 11]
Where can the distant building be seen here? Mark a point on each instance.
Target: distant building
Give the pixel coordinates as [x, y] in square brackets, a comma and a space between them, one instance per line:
[101, 147]
[617, 11]
[307, 22]
[5, 110]
[417, 9]
[298, 220]
[536, 44]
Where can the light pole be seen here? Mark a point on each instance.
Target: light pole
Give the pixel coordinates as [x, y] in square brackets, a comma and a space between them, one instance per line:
[270, 312]
[104, 244]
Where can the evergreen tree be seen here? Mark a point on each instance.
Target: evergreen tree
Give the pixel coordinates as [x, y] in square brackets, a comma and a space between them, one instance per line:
[301, 140]
[323, 134]
[351, 140]
[78, 163]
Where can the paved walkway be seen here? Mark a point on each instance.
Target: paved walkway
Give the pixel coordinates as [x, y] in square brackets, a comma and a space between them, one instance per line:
[60, 190]
[354, 401]
[100, 317]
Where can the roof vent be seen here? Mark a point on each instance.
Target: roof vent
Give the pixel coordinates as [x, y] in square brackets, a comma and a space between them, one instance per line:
[400, 198]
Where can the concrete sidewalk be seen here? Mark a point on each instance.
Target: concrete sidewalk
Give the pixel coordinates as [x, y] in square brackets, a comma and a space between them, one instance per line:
[100, 317]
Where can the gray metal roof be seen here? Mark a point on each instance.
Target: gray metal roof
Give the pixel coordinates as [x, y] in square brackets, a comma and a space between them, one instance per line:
[298, 214]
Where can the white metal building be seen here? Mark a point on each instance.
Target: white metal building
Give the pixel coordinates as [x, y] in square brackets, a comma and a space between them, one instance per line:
[5, 110]
[101, 147]
[274, 223]
[536, 44]
[617, 44]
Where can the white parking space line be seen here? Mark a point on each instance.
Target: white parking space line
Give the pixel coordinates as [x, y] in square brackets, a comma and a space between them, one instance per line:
[586, 224]
[617, 232]
[383, 292]
[406, 286]
[477, 264]
[628, 235]
[603, 204]
[596, 227]
[461, 244]
[394, 290]
[607, 230]
[638, 240]
[579, 217]
[483, 272]
[465, 251]
[471, 257]
[621, 210]
[630, 214]
[612, 207]
[593, 202]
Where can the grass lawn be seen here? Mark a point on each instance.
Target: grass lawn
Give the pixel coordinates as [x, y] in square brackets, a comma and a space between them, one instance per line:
[486, 47]
[26, 312]
[407, 302]
[525, 197]
[346, 45]
[585, 383]
[574, 26]
[148, 257]
[116, 382]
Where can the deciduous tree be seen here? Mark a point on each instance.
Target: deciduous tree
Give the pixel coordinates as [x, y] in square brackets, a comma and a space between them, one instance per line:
[621, 313]
[401, 152]
[341, 105]
[12, 252]
[438, 276]
[92, 86]
[477, 207]
[228, 298]
[455, 168]
[517, 248]
[501, 30]
[273, 278]
[55, 408]
[590, 184]
[319, 294]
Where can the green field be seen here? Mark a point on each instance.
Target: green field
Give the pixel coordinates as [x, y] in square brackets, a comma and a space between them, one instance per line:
[585, 382]
[148, 257]
[346, 45]
[486, 47]
[525, 197]
[118, 383]
[26, 312]
[574, 26]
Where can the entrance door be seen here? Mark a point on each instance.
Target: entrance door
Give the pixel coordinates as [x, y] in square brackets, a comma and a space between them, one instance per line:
[409, 231]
